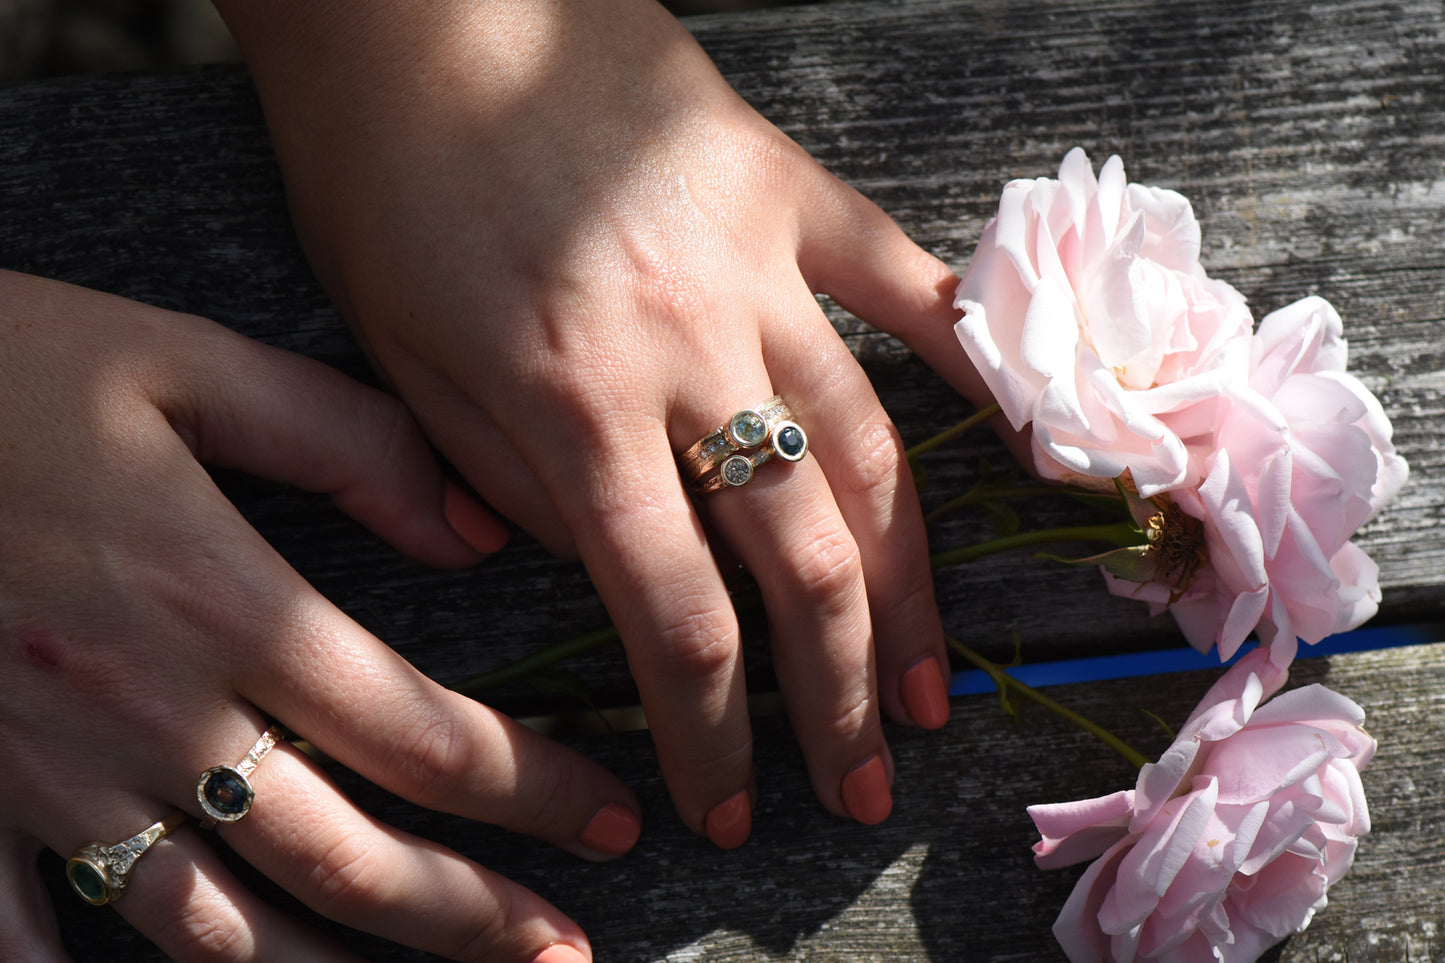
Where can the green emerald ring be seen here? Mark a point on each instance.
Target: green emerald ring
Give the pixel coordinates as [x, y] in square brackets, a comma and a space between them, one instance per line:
[98, 873]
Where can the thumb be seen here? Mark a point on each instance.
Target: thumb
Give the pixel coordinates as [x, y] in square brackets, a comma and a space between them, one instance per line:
[244, 405]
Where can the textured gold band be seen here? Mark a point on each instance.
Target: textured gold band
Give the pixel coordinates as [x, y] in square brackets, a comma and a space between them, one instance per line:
[98, 873]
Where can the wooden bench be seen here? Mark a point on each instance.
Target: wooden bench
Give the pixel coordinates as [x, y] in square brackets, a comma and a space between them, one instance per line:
[1310, 137]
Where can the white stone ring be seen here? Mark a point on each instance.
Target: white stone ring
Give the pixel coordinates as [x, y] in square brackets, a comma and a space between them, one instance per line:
[98, 873]
[728, 456]
[225, 792]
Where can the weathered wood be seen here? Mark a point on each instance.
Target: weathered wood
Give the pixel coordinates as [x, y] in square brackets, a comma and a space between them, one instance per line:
[1308, 136]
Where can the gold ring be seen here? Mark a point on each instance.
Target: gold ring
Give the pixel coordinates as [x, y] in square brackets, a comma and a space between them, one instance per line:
[225, 792]
[728, 456]
[98, 873]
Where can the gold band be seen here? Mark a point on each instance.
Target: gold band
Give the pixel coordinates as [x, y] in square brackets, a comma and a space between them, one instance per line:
[98, 873]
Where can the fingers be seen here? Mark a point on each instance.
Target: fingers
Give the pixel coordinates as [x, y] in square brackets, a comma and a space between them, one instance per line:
[867, 474]
[240, 404]
[27, 928]
[307, 836]
[363, 705]
[858, 255]
[182, 898]
[647, 555]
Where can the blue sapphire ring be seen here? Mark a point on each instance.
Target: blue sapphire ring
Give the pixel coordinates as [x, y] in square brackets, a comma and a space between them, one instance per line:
[99, 873]
[225, 792]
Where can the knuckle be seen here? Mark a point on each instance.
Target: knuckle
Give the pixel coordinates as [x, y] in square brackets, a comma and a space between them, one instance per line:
[205, 930]
[871, 465]
[696, 643]
[853, 715]
[481, 942]
[344, 881]
[431, 754]
[830, 572]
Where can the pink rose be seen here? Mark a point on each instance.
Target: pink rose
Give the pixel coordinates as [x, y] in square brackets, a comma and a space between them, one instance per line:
[1299, 459]
[1088, 315]
[1229, 842]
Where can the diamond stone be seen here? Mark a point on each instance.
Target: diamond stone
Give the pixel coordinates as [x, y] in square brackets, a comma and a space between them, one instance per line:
[790, 442]
[748, 429]
[736, 471]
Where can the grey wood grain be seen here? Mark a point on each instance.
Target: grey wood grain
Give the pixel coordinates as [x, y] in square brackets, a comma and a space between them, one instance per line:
[1309, 137]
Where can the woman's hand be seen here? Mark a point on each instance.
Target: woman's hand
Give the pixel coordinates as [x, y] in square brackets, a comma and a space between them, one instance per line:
[574, 251]
[147, 633]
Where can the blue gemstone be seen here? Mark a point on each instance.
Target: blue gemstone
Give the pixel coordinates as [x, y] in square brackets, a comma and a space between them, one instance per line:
[227, 793]
[791, 442]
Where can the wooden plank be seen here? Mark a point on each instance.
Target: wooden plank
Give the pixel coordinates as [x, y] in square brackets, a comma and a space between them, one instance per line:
[1308, 136]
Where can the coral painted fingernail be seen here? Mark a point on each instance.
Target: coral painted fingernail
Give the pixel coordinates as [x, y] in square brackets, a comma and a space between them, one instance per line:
[477, 527]
[560, 953]
[613, 830]
[866, 795]
[731, 821]
[925, 695]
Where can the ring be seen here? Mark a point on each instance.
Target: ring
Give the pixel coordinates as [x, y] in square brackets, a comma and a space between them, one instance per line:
[98, 873]
[225, 792]
[728, 456]
[745, 430]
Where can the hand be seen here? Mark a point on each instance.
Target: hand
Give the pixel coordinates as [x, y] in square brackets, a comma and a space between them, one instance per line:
[148, 633]
[573, 250]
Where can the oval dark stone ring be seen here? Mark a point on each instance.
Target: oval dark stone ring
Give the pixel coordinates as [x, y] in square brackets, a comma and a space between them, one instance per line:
[225, 792]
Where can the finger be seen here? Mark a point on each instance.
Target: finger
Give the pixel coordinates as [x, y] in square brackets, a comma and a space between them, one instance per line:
[363, 705]
[183, 899]
[483, 453]
[178, 893]
[645, 550]
[858, 255]
[862, 456]
[789, 533]
[28, 929]
[293, 420]
[308, 837]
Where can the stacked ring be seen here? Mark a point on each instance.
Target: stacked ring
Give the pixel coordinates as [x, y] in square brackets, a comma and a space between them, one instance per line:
[728, 456]
[225, 792]
[98, 873]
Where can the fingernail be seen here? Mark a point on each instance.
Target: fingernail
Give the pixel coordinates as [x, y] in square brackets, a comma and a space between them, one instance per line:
[865, 792]
[613, 830]
[560, 953]
[477, 527]
[731, 821]
[925, 694]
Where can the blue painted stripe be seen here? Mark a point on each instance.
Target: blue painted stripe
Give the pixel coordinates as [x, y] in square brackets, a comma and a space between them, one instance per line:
[1184, 658]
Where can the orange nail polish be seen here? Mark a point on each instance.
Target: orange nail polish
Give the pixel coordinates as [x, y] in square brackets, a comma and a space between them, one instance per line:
[925, 694]
[866, 795]
[731, 821]
[613, 830]
[475, 525]
[560, 953]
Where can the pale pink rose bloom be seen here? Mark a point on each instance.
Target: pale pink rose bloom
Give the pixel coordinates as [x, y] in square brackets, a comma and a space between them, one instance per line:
[1299, 459]
[1088, 315]
[1228, 843]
